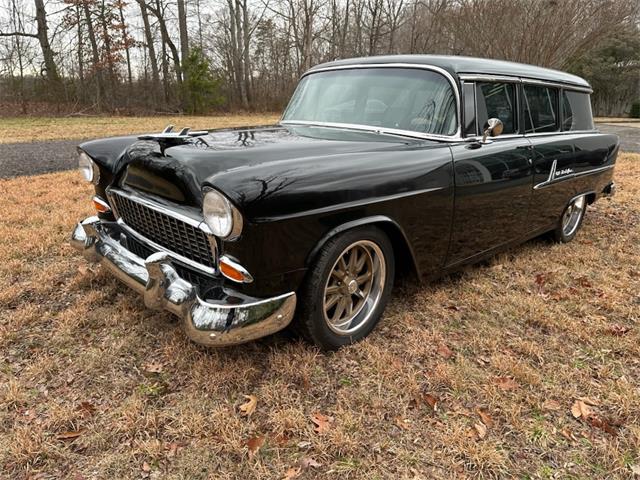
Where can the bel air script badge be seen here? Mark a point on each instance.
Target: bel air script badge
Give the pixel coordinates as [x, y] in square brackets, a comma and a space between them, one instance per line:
[565, 171]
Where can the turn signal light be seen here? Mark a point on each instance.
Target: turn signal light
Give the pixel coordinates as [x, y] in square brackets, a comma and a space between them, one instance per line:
[234, 271]
[100, 205]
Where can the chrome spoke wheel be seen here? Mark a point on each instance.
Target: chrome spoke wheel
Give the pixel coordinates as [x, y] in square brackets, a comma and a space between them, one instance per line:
[354, 287]
[572, 216]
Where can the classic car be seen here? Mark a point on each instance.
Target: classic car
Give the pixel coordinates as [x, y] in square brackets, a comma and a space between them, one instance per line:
[379, 168]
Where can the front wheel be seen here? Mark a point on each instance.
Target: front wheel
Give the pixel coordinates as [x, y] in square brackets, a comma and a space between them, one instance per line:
[347, 288]
[571, 220]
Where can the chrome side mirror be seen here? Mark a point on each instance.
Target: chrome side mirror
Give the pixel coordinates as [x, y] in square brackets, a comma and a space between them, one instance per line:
[492, 128]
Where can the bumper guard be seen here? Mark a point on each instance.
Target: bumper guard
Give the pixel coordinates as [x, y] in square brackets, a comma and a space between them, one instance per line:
[212, 322]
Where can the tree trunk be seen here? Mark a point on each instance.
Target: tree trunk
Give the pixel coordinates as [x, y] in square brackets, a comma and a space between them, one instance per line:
[153, 60]
[184, 34]
[51, 70]
[95, 54]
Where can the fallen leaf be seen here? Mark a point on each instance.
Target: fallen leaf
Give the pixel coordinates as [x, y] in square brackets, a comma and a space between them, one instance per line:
[431, 400]
[309, 462]
[590, 401]
[153, 367]
[551, 405]
[540, 280]
[86, 409]
[146, 467]
[482, 361]
[172, 449]
[481, 430]
[249, 407]
[598, 422]
[580, 409]
[254, 444]
[485, 417]
[444, 351]
[281, 439]
[455, 308]
[70, 435]
[403, 423]
[635, 469]
[568, 435]
[617, 329]
[584, 282]
[323, 422]
[505, 383]
[293, 472]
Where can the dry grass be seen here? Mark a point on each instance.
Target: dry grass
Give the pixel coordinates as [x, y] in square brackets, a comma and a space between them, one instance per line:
[30, 129]
[520, 339]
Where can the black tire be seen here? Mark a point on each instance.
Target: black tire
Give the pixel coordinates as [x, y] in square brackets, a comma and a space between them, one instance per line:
[564, 233]
[311, 321]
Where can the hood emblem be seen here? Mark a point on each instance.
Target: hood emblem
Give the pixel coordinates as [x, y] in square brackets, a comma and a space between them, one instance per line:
[168, 138]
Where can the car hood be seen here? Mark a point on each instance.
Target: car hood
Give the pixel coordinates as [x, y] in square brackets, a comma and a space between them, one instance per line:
[250, 165]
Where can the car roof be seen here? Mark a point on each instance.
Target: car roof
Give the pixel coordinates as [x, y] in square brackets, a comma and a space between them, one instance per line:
[458, 65]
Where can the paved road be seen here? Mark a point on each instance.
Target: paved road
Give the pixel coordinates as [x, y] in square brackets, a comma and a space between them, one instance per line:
[37, 157]
[42, 157]
[629, 136]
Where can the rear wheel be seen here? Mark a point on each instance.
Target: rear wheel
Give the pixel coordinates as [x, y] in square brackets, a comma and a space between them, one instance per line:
[571, 220]
[347, 288]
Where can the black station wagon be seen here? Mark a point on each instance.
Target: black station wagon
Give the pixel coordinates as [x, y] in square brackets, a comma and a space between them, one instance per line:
[379, 167]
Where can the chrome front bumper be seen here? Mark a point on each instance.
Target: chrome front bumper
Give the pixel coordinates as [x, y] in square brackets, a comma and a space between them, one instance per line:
[212, 322]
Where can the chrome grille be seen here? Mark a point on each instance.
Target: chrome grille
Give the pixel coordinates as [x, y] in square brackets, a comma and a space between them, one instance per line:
[169, 232]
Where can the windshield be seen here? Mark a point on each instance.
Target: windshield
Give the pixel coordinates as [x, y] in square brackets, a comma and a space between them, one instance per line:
[416, 100]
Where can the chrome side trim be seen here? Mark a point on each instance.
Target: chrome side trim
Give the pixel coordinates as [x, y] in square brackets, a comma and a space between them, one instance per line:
[454, 84]
[155, 246]
[346, 205]
[552, 179]
[197, 222]
[214, 323]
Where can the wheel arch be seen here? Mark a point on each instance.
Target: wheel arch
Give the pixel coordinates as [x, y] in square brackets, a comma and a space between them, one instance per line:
[405, 259]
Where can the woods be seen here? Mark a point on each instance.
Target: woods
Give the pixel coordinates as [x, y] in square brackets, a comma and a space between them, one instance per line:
[192, 56]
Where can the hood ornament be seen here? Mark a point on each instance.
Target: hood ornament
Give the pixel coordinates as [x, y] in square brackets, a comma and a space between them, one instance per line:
[168, 138]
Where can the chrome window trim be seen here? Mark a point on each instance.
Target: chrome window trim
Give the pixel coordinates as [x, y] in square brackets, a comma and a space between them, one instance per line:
[147, 202]
[366, 128]
[186, 261]
[457, 136]
[489, 78]
[525, 80]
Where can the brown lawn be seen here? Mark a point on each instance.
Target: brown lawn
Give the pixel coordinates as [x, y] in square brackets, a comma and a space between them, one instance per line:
[31, 129]
[472, 376]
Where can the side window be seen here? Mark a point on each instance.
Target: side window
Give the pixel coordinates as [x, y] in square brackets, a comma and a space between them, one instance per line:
[540, 109]
[497, 100]
[576, 111]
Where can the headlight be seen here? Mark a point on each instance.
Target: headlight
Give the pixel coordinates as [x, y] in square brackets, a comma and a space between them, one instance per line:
[88, 168]
[223, 219]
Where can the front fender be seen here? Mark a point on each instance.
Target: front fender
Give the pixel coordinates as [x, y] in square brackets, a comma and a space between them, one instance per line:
[401, 246]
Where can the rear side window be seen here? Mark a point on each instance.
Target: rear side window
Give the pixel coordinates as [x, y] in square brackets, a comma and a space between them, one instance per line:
[576, 111]
[497, 100]
[540, 109]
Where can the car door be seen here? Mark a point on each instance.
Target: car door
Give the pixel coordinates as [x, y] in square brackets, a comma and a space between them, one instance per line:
[553, 153]
[493, 181]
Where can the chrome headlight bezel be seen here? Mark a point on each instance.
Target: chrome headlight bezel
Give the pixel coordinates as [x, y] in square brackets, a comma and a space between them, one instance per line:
[223, 219]
[88, 168]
